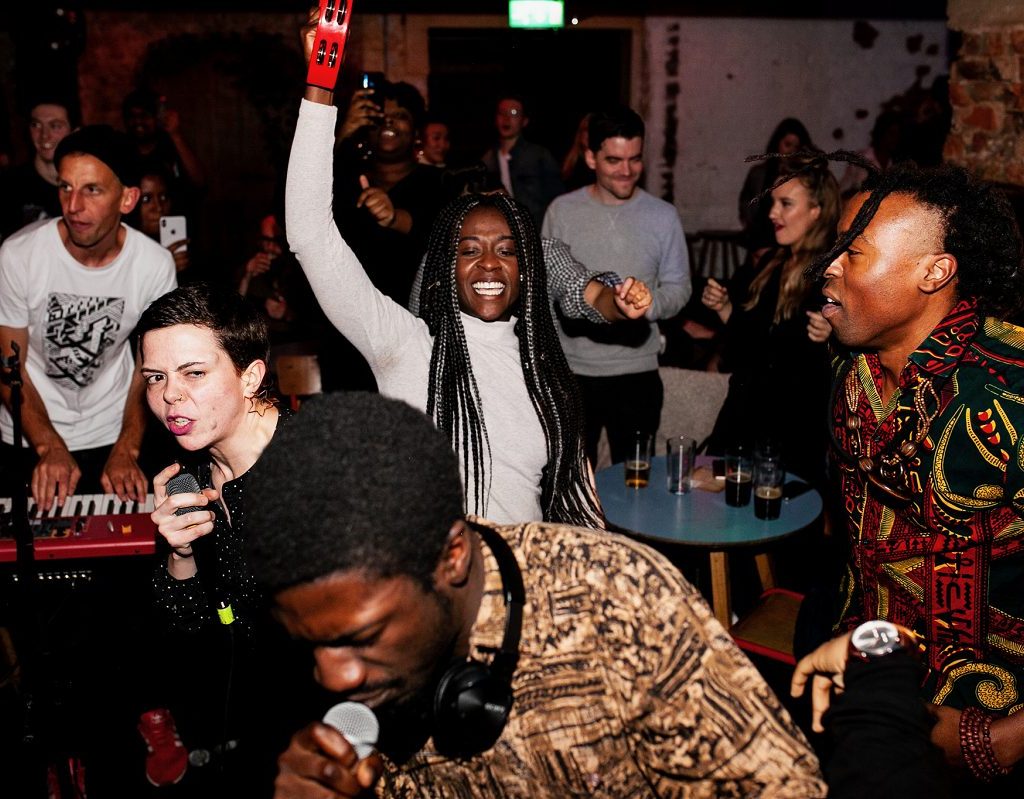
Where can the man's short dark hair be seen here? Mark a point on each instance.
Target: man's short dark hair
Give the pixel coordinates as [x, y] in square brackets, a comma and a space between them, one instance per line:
[358, 483]
[979, 229]
[68, 103]
[239, 328]
[613, 123]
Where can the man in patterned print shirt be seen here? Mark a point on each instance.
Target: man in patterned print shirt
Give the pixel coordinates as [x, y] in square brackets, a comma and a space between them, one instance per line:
[625, 685]
[927, 416]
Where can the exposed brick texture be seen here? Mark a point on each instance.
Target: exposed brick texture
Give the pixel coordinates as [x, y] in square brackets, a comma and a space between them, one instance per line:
[987, 94]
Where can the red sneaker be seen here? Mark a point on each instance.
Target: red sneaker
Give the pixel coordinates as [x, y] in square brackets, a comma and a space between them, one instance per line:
[167, 759]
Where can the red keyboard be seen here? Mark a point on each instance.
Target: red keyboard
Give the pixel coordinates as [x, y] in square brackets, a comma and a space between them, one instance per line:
[86, 526]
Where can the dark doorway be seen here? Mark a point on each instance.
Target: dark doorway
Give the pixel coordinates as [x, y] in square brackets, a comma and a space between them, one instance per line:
[561, 74]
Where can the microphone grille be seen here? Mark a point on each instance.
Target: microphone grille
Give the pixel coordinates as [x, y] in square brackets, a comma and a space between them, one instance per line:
[183, 483]
[357, 723]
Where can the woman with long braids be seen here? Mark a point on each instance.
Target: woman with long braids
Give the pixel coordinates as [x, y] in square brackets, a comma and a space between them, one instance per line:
[774, 334]
[483, 359]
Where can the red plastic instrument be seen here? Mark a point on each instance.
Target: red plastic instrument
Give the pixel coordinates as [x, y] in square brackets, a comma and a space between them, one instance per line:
[329, 46]
[88, 526]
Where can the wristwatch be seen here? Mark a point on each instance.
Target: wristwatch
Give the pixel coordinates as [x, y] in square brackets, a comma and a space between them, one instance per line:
[877, 638]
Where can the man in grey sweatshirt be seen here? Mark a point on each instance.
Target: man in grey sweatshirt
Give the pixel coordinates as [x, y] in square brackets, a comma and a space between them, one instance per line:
[613, 225]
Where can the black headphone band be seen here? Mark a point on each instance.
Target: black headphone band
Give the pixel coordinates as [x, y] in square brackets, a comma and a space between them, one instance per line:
[504, 662]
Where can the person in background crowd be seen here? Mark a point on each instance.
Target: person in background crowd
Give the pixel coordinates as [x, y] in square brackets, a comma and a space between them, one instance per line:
[613, 225]
[527, 170]
[434, 143]
[385, 203]
[887, 137]
[29, 191]
[575, 172]
[790, 136]
[774, 335]
[154, 202]
[156, 133]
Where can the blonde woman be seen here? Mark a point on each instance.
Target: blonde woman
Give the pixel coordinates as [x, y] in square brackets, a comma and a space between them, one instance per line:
[774, 332]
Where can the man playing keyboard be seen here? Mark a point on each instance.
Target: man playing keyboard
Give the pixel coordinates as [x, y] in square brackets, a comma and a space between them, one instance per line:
[71, 290]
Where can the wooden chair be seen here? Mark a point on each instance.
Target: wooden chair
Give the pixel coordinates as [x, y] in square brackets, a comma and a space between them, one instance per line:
[298, 376]
[692, 402]
[719, 253]
[769, 628]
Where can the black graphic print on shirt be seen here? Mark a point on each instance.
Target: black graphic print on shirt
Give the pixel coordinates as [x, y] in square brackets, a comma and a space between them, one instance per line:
[79, 331]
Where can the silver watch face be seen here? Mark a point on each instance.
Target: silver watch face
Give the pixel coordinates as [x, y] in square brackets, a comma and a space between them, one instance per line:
[877, 638]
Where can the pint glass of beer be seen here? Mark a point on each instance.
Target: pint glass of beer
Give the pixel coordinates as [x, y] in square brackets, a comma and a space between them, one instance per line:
[638, 460]
[739, 476]
[768, 479]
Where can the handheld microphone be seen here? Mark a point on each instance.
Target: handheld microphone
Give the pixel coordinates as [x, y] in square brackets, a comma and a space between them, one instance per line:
[357, 723]
[183, 483]
[203, 552]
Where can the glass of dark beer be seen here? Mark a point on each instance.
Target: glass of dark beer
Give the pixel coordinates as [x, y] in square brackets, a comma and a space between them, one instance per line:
[638, 460]
[768, 479]
[739, 476]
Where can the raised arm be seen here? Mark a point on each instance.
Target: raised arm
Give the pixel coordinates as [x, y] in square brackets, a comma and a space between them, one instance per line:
[372, 322]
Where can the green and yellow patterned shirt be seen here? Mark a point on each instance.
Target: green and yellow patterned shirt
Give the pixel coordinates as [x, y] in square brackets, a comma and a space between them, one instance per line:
[949, 562]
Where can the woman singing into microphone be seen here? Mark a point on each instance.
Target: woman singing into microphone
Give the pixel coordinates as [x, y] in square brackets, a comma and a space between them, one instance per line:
[204, 358]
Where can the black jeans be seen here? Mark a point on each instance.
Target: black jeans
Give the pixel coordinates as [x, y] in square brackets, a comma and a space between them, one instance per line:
[622, 404]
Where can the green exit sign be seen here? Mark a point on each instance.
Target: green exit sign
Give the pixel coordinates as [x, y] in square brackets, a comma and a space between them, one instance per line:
[536, 13]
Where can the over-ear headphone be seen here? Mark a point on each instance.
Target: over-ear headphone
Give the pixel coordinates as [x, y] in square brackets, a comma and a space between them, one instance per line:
[473, 699]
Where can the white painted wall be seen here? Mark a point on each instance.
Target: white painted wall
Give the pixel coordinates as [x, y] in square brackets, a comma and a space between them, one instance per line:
[809, 69]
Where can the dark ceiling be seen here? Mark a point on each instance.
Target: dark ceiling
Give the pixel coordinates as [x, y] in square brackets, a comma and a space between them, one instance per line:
[826, 9]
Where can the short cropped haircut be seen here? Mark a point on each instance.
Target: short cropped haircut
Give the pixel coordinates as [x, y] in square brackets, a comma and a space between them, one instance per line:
[356, 482]
[239, 328]
[613, 123]
[65, 101]
[979, 229]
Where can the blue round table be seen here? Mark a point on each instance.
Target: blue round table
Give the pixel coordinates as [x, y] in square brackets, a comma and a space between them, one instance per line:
[701, 519]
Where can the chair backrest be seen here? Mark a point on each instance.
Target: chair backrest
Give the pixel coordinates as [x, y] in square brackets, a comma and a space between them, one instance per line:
[692, 402]
[298, 376]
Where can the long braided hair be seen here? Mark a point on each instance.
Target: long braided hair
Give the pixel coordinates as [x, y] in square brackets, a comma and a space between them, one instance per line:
[453, 399]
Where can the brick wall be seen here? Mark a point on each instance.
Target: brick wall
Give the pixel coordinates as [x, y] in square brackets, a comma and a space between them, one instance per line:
[987, 90]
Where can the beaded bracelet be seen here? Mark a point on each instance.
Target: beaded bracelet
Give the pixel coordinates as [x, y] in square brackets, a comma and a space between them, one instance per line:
[976, 745]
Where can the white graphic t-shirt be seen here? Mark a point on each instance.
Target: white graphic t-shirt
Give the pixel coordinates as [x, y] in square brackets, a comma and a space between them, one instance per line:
[79, 320]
